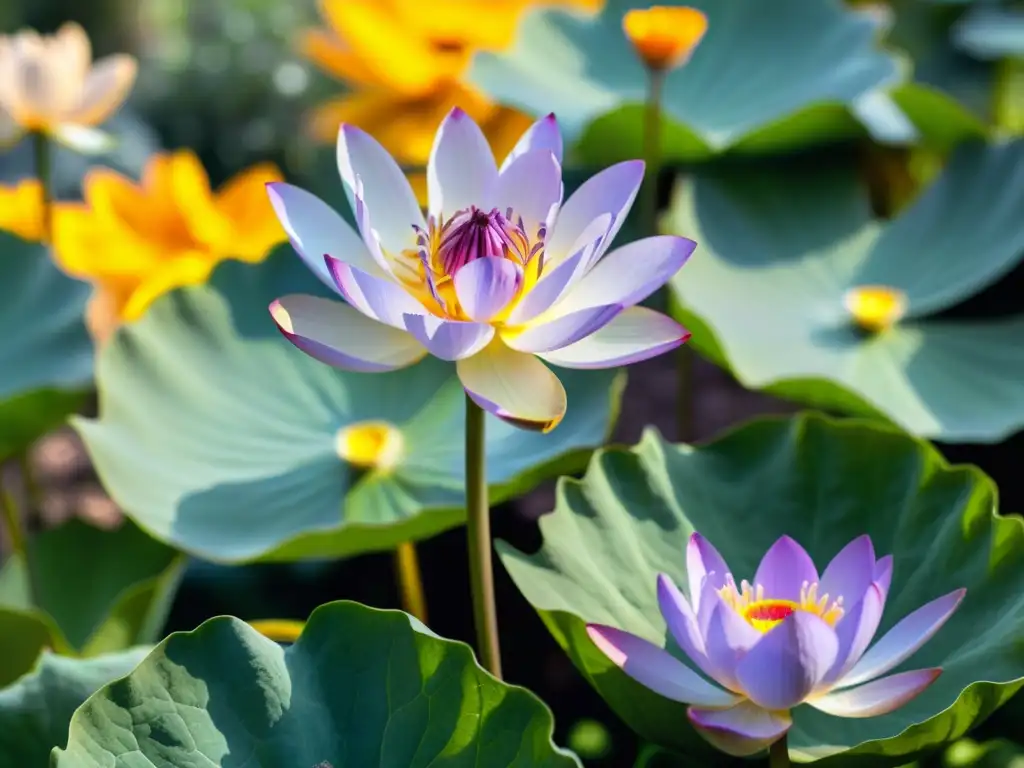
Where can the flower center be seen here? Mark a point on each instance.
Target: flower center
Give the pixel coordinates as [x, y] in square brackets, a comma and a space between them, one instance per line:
[875, 307]
[763, 613]
[448, 245]
[371, 445]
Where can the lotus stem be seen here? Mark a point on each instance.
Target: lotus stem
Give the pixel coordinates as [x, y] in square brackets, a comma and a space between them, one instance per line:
[15, 529]
[778, 754]
[410, 581]
[652, 151]
[41, 150]
[478, 532]
[1008, 87]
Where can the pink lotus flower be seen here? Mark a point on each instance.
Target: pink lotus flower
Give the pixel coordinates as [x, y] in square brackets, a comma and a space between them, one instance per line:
[499, 274]
[789, 638]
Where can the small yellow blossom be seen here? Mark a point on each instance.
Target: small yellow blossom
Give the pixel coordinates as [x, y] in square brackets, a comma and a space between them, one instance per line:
[49, 84]
[404, 60]
[21, 210]
[137, 241]
[664, 36]
[875, 307]
[371, 445]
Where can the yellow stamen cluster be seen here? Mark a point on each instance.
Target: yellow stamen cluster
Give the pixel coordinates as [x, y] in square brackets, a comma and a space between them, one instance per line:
[371, 445]
[664, 36]
[875, 307]
[763, 613]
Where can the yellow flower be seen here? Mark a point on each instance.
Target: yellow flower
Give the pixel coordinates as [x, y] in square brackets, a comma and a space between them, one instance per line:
[135, 242]
[21, 210]
[664, 37]
[404, 59]
[48, 84]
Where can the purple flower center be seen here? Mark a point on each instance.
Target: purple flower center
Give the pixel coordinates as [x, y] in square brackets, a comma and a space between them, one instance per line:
[474, 234]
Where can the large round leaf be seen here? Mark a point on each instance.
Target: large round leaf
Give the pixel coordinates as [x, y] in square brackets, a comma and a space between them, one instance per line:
[218, 436]
[46, 356]
[91, 592]
[36, 711]
[779, 249]
[823, 483]
[767, 77]
[360, 687]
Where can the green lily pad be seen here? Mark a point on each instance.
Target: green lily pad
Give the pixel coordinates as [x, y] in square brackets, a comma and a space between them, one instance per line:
[360, 687]
[780, 248]
[218, 436]
[990, 31]
[754, 84]
[46, 364]
[824, 483]
[92, 592]
[36, 711]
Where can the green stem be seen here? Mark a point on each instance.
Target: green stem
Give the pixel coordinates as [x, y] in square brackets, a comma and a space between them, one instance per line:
[41, 148]
[652, 152]
[1007, 112]
[410, 581]
[16, 532]
[478, 532]
[778, 754]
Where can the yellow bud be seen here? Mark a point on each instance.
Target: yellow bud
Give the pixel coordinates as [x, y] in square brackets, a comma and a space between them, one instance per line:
[371, 445]
[875, 307]
[664, 36]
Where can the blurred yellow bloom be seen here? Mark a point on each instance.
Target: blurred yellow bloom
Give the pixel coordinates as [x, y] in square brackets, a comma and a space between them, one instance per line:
[664, 36]
[875, 307]
[49, 84]
[135, 242]
[21, 210]
[403, 60]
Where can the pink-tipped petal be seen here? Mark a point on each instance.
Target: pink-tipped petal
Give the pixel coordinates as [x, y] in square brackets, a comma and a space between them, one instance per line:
[656, 669]
[610, 192]
[461, 170]
[878, 697]
[784, 569]
[531, 187]
[727, 639]
[855, 631]
[900, 642]
[556, 280]
[742, 730]
[377, 298]
[385, 190]
[850, 572]
[514, 386]
[682, 623]
[315, 229]
[562, 331]
[703, 562]
[635, 334]
[789, 661]
[542, 135]
[630, 274]
[338, 335]
[883, 575]
[486, 285]
[448, 339]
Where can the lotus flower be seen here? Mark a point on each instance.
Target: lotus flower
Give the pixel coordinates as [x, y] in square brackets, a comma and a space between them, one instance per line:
[50, 85]
[789, 638]
[499, 274]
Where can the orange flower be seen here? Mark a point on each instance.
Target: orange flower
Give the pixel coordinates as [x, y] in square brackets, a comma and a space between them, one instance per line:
[135, 242]
[403, 60]
[21, 210]
[48, 84]
[664, 36]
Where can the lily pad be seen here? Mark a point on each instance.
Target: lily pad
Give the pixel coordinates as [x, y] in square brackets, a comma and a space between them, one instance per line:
[359, 687]
[46, 365]
[767, 77]
[989, 31]
[824, 483]
[780, 248]
[36, 711]
[92, 592]
[219, 437]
